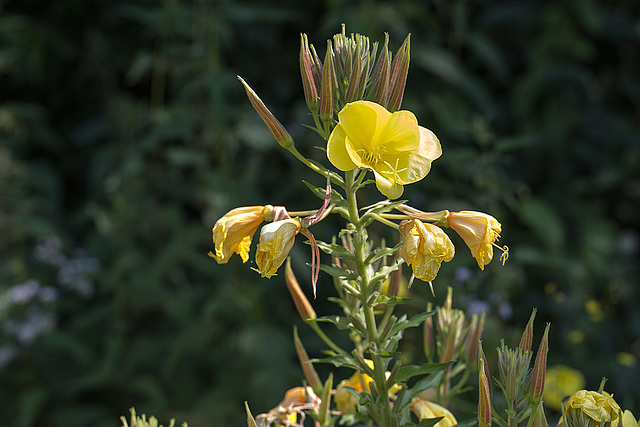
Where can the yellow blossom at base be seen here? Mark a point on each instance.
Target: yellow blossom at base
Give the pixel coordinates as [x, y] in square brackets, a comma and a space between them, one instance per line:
[424, 247]
[392, 145]
[276, 240]
[347, 400]
[233, 232]
[425, 409]
[560, 382]
[479, 231]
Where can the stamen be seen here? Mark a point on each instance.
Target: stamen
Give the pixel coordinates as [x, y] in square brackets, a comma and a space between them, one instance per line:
[505, 252]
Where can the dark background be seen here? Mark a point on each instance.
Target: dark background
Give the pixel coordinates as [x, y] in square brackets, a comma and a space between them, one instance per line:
[124, 136]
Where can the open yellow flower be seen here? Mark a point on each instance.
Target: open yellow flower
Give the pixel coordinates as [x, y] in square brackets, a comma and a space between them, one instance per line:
[425, 409]
[479, 231]
[276, 240]
[392, 145]
[425, 246]
[233, 232]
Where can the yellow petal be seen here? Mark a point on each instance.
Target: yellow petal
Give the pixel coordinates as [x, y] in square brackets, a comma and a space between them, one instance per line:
[400, 133]
[418, 163]
[390, 189]
[361, 120]
[337, 150]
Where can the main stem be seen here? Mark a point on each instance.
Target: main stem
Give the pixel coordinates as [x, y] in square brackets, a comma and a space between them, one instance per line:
[359, 243]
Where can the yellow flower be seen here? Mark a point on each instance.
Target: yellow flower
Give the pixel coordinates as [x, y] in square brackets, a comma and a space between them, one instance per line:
[424, 247]
[347, 400]
[233, 232]
[479, 231]
[276, 240]
[600, 407]
[392, 145]
[561, 381]
[425, 409]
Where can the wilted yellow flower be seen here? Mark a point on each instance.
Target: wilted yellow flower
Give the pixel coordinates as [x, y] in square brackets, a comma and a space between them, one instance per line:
[600, 407]
[233, 232]
[392, 145]
[479, 231]
[425, 409]
[276, 240]
[561, 381]
[424, 247]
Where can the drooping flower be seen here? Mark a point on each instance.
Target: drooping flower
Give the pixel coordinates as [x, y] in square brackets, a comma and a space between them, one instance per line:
[425, 409]
[233, 232]
[479, 231]
[392, 145]
[425, 247]
[600, 407]
[276, 240]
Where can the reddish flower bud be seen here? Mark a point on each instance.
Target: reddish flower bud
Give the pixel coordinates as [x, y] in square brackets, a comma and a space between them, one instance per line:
[306, 70]
[540, 368]
[527, 335]
[484, 401]
[399, 72]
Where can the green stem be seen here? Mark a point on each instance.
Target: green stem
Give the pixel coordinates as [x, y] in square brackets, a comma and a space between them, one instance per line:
[328, 341]
[336, 179]
[359, 242]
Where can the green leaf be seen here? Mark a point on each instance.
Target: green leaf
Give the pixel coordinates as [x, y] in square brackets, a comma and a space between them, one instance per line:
[339, 272]
[339, 322]
[336, 250]
[382, 252]
[416, 320]
[392, 300]
[320, 192]
[409, 371]
[339, 361]
[422, 385]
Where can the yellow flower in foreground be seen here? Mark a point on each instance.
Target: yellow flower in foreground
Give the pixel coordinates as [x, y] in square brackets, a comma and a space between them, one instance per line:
[561, 381]
[392, 145]
[600, 407]
[233, 232]
[424, 247]
[425, 409]
[276, 240]
[479, 231]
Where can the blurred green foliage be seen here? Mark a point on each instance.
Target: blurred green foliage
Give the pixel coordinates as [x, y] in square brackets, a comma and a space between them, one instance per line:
[124, 135]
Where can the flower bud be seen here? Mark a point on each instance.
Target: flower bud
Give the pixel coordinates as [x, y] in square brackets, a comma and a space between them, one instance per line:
[527, 335]
[328, 86]
[473, 338]
[428, 337]
[303, 305]
[306, 70]
[381, 75]
[540, 368]
[275, 127]
[309, 371]
[539, 419]
[399, 72]
[484, 401]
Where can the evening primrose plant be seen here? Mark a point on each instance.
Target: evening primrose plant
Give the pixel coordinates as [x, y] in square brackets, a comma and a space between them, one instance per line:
[354, 95]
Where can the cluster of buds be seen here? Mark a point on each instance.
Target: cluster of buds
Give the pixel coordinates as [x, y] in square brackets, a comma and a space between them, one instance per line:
[352, 70]
[452, 337]
[521, 386]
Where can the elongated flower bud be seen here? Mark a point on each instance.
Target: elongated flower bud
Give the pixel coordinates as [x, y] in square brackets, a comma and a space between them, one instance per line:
[306, 71]
[539, 419]
[484, 401]
[473, 338]
[327, 85]
[540, 368]
[306, 311]
[251, 422]
[381, 75]
[399, 72]
[309, 371]
[428, 336]
[275, 127]
[527, 335]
